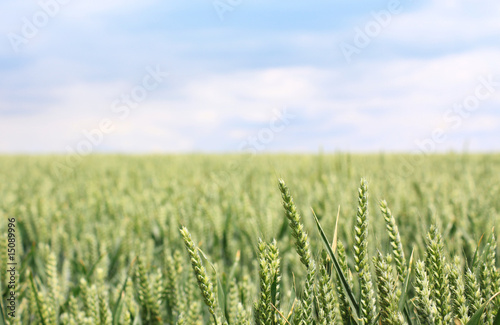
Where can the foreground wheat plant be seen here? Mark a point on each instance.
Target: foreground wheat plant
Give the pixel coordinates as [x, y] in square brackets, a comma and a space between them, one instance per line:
[200, 272]
[443, 294]
[104, 247]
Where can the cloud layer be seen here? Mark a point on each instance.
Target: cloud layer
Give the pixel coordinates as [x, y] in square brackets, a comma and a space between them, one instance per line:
[420, 78]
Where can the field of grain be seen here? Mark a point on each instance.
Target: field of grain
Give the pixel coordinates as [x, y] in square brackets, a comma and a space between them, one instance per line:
[200, 239]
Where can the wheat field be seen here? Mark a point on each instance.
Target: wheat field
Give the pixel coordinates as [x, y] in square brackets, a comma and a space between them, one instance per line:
[265, 239]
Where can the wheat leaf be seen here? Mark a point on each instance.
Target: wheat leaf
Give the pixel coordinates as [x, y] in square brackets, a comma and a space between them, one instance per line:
[347, 289]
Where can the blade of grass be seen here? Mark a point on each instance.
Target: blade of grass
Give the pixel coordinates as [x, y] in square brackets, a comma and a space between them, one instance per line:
[497, 318]
[39, 307]
[474, 259]
[403, 304]
[345, 285]
[119, 305]
[476, 318]
[92, 268]
[283, 317]
[2, 318]
[335, 233]
[404, 294]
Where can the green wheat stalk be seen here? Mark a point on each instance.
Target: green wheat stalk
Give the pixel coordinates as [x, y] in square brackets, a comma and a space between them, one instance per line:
[387, 297]
[367, 305]
[395, 239]
[438, 278]
[200, 272]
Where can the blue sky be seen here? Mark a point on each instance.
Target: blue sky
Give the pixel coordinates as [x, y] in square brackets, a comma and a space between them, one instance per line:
[232, 75]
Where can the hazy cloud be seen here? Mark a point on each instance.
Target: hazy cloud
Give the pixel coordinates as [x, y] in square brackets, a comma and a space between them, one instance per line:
[226, 78]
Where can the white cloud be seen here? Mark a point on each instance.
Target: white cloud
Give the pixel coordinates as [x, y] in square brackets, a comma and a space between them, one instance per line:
[395, 102]
[375, 103]
[446, 22]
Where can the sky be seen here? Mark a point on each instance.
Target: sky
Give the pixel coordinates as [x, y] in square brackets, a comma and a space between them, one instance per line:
[249, 76]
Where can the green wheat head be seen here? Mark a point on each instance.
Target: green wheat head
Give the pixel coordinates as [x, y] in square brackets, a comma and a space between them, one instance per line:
[395, 239]
[438, 278]
[301, 240]
[344, 307]
[457, 287]
[200, 272]
[425, 307]
[362, 267]
[387, 296]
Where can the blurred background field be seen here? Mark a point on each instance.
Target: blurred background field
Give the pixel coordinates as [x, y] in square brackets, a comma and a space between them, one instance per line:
[95, 216]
